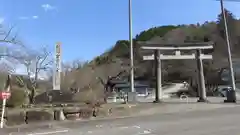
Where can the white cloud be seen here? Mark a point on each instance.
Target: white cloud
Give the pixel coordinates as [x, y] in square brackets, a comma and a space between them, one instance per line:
[1, 20]
[35, 17]
[26, 17]
[48, 7]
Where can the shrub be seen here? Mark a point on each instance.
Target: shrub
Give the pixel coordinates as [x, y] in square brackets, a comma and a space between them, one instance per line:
[17, 98]
[39, 115]
[86, 96]
[16, 118]
[85, 113]
[89, 97]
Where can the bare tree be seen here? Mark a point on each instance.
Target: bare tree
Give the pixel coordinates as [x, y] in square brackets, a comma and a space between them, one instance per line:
[73, 65]
[69, 70]
[7, 67]
[9, 43]
[108, 85]
[8, 37]
[36, 63]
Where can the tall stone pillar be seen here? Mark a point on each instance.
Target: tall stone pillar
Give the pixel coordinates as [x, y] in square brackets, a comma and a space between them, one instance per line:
[158, 73]
[201, 81]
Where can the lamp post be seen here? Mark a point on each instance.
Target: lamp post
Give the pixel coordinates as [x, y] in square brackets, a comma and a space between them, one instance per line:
[233, 97]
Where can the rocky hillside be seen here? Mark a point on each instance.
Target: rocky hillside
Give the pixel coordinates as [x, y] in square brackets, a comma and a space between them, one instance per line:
[115, 61]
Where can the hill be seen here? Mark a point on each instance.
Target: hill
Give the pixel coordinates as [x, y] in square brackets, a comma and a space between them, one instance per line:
[95, 74]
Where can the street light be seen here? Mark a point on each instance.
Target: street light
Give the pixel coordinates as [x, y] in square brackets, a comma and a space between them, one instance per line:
[131, 45]
[233, 97]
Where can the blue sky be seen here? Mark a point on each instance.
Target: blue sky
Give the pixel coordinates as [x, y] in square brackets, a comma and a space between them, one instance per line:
[87, 28]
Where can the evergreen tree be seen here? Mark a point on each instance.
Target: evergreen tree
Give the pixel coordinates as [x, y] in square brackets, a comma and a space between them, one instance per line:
[231, 24]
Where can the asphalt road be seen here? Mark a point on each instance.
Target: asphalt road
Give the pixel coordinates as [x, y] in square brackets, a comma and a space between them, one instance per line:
[222, 121]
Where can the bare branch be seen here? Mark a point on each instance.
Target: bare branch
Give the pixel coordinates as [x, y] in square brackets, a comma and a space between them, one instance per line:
[46, 55]
[20, 80]
[8, 33]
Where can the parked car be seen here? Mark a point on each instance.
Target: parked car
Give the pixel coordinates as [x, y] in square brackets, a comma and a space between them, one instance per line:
[222, 91]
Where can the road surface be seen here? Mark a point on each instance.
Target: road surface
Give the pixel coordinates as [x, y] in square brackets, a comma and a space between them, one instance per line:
[221, 121]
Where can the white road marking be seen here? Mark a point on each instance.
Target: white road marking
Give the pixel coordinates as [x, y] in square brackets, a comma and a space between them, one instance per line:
[145, 132]
[123, 127]
[48, 133]
[90, 132]
[99, 126]
[137, 127]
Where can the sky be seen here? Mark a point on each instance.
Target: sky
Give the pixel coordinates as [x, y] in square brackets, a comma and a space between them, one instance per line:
[87, 28]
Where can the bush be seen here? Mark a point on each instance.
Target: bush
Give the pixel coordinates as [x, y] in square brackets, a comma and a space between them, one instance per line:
[89, 97]
[85, 113]
[56, 97]
[16, 118]
[17, 98]
[86, 97]
[39, 115]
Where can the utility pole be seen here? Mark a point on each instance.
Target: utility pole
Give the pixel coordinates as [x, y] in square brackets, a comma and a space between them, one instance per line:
[132, 95]
[229, 56]
[131, 46]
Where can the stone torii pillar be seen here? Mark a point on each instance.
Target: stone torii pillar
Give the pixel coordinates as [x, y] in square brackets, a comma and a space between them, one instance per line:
[201, 80]
[158, 73]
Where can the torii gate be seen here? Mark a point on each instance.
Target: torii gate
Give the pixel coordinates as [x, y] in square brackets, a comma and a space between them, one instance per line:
[177, 48]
